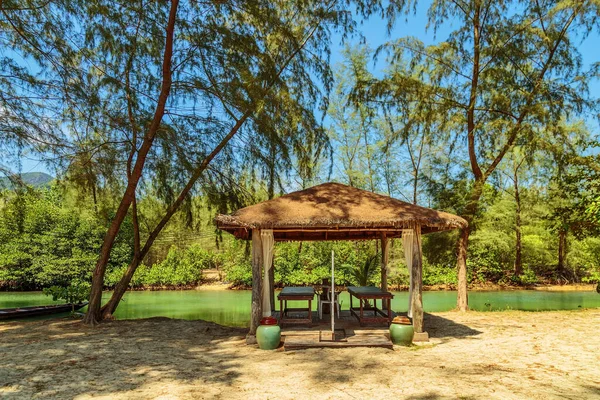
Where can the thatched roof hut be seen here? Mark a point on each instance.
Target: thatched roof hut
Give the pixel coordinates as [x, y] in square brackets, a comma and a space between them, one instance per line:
[333, 211]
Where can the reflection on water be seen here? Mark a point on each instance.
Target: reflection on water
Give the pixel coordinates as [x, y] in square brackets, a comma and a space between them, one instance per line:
[232, 307]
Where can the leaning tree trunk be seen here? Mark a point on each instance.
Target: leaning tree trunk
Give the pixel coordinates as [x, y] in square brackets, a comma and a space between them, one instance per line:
[123, 284]
[110, 307]
[93, 314]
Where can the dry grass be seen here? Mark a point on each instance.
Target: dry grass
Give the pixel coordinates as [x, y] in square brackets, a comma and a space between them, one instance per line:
[502, 355]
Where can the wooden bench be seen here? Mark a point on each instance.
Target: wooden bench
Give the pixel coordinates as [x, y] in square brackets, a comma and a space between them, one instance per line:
[293, 293]
[365, 293]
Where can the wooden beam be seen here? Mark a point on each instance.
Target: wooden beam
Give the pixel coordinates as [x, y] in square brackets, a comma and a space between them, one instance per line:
[340, 230]
[257, 263]
[385, 256]
[327, 233]
[417, 277]
[331, 235]
[272, 282]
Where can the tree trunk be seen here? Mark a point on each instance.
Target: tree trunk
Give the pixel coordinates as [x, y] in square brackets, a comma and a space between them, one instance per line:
[369, 168]
[94, 197]
[272, 172]
[110, 307]
[518, 245]
[462, 297]
[562, 251]
[93, 314]
[415, 187]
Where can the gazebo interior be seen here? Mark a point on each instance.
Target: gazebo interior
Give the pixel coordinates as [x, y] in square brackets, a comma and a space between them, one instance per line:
[333, 211]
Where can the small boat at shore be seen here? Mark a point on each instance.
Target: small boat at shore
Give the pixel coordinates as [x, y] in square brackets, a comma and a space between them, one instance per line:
[34, 311]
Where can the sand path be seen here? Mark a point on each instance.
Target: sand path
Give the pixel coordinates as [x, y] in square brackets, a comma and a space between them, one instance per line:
[475, 355]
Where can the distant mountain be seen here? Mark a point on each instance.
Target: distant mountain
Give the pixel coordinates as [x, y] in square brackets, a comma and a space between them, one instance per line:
[35, 179]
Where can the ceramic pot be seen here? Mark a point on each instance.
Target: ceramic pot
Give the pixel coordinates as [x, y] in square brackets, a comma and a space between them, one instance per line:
[401, 331]
[268, 334]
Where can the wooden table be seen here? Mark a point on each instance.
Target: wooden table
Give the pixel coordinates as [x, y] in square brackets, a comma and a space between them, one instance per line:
[365, 293]
[294, 293]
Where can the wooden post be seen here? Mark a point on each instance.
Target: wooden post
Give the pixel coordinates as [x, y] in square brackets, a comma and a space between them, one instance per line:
[257, 263]
[272, 284]
[417, 293]
[385, 256]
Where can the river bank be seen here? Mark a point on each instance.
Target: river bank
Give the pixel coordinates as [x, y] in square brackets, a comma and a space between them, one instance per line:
[571, 287]
[498, 355]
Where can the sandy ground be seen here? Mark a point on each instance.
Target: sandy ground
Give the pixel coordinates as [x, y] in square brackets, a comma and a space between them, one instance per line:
[475, 355]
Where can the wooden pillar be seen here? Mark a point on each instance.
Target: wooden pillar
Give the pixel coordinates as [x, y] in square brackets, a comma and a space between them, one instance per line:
[417, 293]
[257, 263]
[272, 283]
[385, 256]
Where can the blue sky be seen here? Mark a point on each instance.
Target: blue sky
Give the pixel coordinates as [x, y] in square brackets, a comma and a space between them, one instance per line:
[375, 33]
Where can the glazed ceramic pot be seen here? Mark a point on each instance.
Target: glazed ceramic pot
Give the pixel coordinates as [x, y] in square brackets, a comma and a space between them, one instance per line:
[268, 334]
[401, 331]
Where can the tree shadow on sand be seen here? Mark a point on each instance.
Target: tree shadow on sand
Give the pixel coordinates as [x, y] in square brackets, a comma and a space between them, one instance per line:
[192, 359]
[64, 358]
[445, 329]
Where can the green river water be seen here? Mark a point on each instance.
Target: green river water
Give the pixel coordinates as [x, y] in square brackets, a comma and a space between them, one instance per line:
[232, 307]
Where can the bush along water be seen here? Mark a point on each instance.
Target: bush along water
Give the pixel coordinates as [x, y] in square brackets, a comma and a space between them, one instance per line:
[74, 293]
[181, 268]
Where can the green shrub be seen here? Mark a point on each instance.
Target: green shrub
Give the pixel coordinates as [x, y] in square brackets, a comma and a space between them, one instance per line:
[584, 259]
[45, 242]
[528, 277]
[75, 292]
[538, 255]
[178, 269]
[236, 264]
[439, 275]
[490, 252]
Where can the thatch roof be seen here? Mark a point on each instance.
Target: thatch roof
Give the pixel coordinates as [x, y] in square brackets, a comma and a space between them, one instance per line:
[333, 211]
